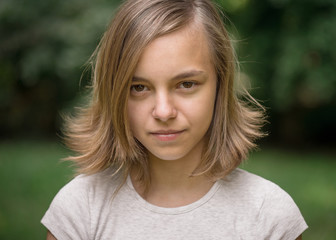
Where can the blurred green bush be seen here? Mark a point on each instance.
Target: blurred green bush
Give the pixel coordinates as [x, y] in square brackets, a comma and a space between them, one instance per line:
[285, 49]
[44, 46]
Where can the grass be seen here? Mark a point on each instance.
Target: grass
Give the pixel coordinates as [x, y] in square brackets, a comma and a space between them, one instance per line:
[31, 174]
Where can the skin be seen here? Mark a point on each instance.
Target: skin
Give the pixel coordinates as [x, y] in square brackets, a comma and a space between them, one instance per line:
[50, 236]
[170, 110]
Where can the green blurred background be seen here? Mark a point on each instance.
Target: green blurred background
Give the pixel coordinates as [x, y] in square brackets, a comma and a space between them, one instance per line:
[288, 60]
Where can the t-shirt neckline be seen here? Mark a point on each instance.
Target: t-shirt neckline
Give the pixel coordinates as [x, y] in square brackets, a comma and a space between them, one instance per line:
[174, 210]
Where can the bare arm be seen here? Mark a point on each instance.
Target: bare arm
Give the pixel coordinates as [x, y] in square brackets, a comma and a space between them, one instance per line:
[299, 237]
[50, 236]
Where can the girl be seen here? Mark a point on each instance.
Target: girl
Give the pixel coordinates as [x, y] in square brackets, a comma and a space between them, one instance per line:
[161, 139]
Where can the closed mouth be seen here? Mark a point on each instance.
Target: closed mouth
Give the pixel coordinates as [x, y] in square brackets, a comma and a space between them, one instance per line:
[167, 135]
[166, 132]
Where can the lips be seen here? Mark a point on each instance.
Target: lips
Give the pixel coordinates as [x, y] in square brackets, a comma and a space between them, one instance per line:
[166, 135]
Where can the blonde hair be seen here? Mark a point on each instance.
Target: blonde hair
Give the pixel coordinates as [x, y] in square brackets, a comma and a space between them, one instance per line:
[100, 133]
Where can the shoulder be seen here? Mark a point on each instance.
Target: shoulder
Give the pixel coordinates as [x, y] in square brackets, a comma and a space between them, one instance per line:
[274, 212]
[106, 181]
[72, 209]
[241, 182]
[255, 190]
[246, 190]
[83, 187]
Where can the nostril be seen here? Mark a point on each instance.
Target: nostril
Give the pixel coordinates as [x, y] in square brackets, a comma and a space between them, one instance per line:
[164, 112]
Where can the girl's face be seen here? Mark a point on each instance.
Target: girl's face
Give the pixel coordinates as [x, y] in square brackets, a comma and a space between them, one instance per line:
[172, 97]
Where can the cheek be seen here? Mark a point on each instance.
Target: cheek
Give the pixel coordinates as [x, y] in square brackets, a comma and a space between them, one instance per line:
[205, 103]
[136, 115]
[132, 112]
[201, 110]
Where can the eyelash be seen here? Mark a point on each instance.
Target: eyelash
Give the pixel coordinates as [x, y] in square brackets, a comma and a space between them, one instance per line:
[180, 85]
[193, 84]
[144, 88]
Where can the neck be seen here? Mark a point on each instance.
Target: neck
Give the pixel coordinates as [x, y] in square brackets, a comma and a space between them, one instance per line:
[173, 174]
[171, 182]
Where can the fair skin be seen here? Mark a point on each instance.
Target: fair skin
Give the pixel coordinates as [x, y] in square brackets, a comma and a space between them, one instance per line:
[50, 236]
[170, 115]
[170, 110]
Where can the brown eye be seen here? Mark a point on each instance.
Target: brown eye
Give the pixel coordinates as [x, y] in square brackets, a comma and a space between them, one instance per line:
[187, 85]
[138, 88]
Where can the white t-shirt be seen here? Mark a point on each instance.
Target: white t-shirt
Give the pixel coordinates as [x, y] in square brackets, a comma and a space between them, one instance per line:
[243, 206]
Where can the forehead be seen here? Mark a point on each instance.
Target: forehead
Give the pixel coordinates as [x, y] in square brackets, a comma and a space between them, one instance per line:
[185, 48]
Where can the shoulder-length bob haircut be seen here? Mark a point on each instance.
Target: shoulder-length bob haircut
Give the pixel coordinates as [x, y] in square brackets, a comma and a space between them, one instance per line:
[100, 132]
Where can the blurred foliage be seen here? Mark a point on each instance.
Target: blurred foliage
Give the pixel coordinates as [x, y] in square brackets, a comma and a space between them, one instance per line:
[285, 47]
[44, 45]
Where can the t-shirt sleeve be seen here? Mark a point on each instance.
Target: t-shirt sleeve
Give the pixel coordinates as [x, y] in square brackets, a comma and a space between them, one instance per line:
[279, 217]
[68, 216]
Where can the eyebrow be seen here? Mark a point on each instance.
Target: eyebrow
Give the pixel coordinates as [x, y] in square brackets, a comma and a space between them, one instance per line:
[183, 75]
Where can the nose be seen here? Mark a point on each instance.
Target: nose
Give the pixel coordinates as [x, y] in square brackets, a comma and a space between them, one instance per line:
[164, 108]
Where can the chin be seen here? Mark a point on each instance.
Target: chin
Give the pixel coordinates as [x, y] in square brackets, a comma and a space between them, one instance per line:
[168, 157]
